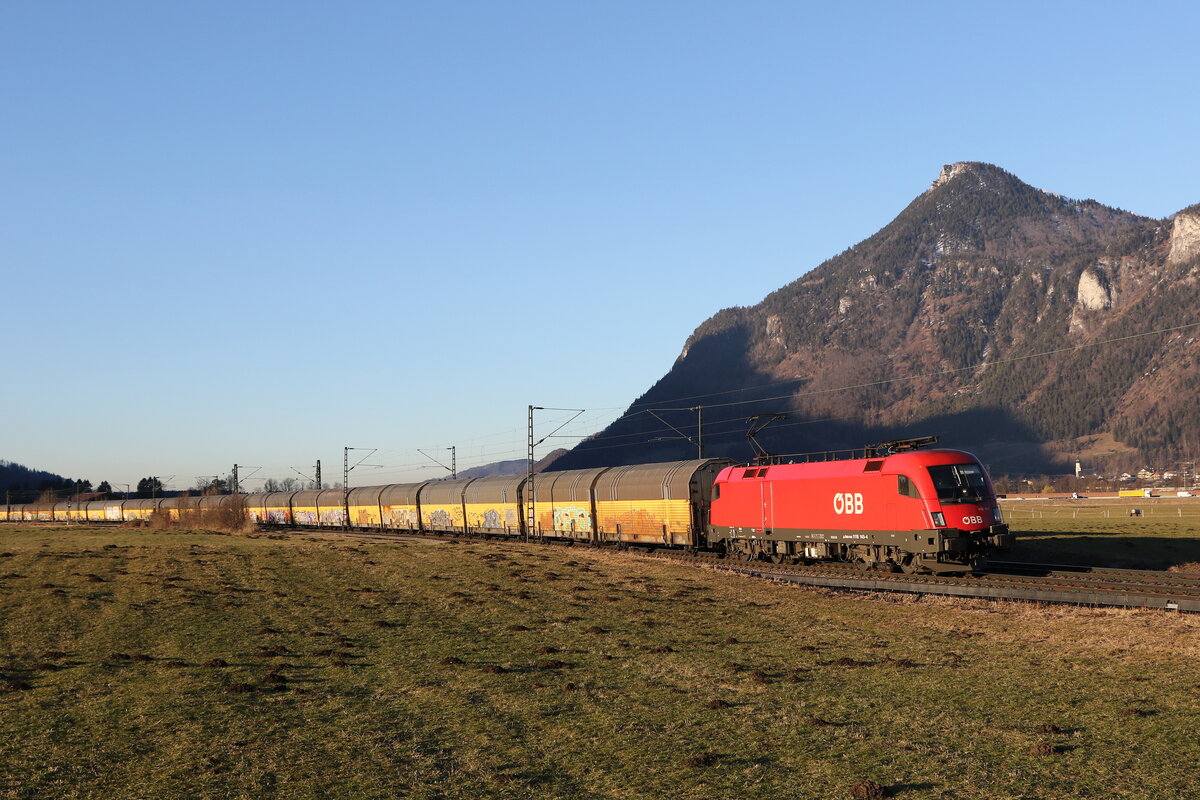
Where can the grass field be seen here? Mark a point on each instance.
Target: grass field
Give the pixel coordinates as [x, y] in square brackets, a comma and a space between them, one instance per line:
[145, 664]
[1102, 533]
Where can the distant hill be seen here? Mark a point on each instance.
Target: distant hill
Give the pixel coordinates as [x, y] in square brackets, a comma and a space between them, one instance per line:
[1009, 320]
[22, 484]
[514, 467]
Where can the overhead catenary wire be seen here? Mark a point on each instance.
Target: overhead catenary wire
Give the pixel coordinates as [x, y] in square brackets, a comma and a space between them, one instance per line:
[882, 382]
[638, 408]
[603, 441]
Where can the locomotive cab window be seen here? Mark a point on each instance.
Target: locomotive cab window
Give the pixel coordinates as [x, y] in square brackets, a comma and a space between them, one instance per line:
[959, 483]
[906, 487]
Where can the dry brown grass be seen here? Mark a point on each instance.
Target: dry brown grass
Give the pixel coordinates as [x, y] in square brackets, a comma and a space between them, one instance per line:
[230, 518]
[945, 698]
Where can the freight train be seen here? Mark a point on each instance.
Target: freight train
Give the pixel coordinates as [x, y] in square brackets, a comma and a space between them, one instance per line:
[896, 507]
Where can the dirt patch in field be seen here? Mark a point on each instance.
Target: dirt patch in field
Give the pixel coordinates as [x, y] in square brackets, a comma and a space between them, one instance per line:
[1137, 712]
[701, 760]
[868, 790]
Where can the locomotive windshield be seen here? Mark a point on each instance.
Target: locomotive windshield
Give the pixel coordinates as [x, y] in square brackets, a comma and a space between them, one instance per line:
[960, 483]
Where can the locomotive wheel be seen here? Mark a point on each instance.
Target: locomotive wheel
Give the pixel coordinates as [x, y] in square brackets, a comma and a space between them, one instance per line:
[777, 558]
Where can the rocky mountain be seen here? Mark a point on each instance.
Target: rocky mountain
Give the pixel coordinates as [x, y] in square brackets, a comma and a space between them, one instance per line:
[1019, 324]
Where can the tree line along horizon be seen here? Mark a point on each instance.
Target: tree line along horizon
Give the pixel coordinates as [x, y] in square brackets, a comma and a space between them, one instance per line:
[21, 484]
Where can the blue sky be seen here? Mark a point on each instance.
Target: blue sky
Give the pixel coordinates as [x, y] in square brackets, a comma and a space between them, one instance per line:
[258, 232]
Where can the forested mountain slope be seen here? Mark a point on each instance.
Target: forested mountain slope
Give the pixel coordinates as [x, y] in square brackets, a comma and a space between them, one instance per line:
[1004, 318]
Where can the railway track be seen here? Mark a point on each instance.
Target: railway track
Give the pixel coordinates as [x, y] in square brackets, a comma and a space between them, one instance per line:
[1069, 572]
[1063, 584]
[1041, 583]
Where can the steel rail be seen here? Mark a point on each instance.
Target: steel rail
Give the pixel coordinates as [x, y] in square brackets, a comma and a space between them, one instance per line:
[1023, 588]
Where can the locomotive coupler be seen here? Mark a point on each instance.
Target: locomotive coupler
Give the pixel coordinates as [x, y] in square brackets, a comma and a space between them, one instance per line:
[1000, 538]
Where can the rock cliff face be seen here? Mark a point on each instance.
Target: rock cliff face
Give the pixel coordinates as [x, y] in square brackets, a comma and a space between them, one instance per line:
[1013, 322]
[1185, 237]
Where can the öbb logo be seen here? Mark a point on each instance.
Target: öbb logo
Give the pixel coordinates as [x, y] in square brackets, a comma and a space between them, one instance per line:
[848, 503]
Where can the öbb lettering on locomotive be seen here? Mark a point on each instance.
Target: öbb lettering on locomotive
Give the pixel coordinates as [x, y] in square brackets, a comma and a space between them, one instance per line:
[848, 502]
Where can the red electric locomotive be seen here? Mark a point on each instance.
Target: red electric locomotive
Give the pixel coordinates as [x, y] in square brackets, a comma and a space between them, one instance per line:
[916, 510]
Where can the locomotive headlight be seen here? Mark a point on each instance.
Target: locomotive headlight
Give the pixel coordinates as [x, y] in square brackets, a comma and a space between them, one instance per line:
[939, 519]
[996, 515]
